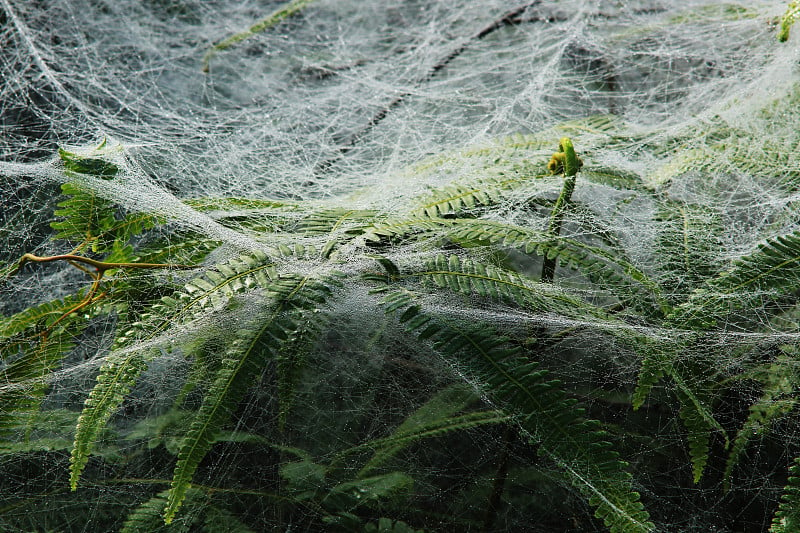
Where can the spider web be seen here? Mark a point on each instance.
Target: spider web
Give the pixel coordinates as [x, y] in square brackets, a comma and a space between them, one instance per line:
[370, 104]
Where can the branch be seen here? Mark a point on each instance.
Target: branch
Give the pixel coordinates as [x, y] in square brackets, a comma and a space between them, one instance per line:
[100, 266]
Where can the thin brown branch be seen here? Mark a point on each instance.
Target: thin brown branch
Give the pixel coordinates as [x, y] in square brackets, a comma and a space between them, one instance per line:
[510, 18]
[100, 266]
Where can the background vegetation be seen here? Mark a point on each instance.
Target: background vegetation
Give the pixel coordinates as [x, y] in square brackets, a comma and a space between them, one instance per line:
[588, 325]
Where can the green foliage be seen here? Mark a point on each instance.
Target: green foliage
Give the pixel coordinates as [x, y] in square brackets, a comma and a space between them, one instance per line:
[787, 21]
[255, 333]
[787, 517]
[779, 381]
[90, 220]
[688, 246]
[87, 164]
[246, 356]
[544, 413]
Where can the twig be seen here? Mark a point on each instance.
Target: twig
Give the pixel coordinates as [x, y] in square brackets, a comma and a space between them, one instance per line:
[100, 266]
[510, 18]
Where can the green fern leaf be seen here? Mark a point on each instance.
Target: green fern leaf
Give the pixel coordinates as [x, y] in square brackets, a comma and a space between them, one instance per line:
[766, 274]
[388, 447]
[85, 164]
[660, 361]
[117, 376]
[32, 343]
[367, 491]
[779, 380]
[291, 361]
[787, 517]
[543, 411]
[245, 358]
[340, 225]
[687, 246]
[87, 218]
[698, 435]
[123, 366]
[453, 199]
[655, 364]
[473, 278]
[237, 204]
[607, 269]
[202, 294]
[435, 417]
[614, 177]
[147, 517]
[182, 248]
[331, 221]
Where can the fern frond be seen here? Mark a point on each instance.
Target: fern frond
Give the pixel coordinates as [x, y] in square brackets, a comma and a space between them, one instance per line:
[201, 294]
[183, 248]
[329, 221]
[404, 436]
[367, 491]
[787, 517]
[88, 219]
[513, 153]
[771, 267]
[340, 225]
[660, 362]
[656, 361]
[474, 278]
[35, 319]
[244, 359]
[122, 367]
[541, 408]
[398, 229]
[767, 273]
[249, 215]
[232, 203]
[435, 417]
[37, 431]
[609, 270]
[613, 177]
[297, 250]
[779, 380]
[24, 379]
[32, 343]
[147, 517]
[688, 246]
[698, 433]
[290, 364]
[117, 376]
[455, 198]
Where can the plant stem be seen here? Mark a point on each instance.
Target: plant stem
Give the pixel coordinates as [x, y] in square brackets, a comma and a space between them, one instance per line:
[499, 481]
[564, 160]
[78, 261]
[100, 266]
